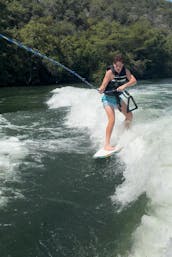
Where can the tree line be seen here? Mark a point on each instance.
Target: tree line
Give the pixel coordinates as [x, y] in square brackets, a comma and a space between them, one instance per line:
[84, 35]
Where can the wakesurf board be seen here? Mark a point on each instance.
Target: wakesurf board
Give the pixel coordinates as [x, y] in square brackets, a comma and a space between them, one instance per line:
[102, 153]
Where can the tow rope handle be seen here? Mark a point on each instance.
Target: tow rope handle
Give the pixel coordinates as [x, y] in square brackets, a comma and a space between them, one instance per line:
[126, 95]
[130, 98]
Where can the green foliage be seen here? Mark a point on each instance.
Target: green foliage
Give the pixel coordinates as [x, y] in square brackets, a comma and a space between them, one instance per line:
[84, 35]
[168, 51]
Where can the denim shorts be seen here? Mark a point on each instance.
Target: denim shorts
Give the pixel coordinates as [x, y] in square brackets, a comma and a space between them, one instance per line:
[109, 100]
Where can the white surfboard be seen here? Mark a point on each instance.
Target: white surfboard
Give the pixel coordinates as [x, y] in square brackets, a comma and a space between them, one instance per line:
[102, 153]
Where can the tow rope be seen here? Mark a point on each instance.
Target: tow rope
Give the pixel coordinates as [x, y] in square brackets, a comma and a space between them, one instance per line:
[37, 53]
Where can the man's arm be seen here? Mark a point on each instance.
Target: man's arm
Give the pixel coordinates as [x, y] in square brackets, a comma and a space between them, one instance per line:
[131, 81]
[106, 80]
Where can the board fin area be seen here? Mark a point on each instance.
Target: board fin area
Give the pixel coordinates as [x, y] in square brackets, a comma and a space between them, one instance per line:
[102, 153]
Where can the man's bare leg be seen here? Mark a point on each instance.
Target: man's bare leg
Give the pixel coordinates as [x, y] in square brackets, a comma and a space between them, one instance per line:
[111, 121]
[128, 115]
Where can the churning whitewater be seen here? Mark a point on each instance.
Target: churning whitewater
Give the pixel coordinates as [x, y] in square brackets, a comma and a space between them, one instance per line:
[146, 155]
[12, 153]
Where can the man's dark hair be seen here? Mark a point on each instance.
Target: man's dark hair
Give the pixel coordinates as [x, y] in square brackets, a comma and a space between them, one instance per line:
[118, 58]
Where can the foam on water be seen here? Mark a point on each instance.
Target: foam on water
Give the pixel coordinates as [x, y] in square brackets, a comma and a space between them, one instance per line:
[12, 152]
[155, 179]
[146, 154]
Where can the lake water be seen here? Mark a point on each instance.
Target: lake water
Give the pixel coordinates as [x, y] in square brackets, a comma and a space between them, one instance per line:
[57, 201]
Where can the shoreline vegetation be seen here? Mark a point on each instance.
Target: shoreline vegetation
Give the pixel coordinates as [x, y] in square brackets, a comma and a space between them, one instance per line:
[84, 36]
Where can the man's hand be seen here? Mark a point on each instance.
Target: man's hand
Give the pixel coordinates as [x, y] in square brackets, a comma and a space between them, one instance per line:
[121, 88]
[101, 90]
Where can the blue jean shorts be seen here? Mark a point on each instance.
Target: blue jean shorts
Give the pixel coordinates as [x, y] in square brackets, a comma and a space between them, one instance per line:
[109, 100]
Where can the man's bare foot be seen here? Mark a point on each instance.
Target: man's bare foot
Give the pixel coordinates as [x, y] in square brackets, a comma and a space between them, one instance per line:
[127, 123]
[109, 148]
